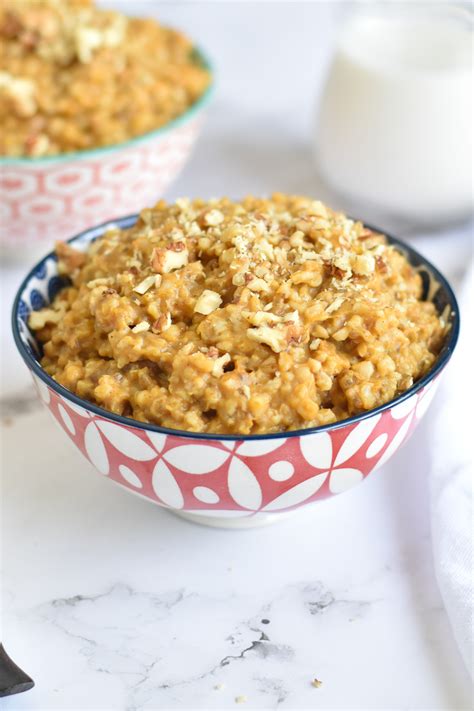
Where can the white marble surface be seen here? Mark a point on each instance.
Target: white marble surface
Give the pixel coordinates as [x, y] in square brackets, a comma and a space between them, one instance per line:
[111, 603]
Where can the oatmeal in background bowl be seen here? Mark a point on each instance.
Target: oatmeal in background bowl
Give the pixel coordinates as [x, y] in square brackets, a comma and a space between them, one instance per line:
[97, 109]
[233, 361]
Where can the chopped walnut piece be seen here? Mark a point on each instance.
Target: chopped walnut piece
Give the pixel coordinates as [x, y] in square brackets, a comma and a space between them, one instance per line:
[246, 391]
[177, 235]
[259, 318]
[266, 249]
[363, 264]
[306, 255]
[21, 92]
[144, 285]
[241, 244]
[39, 319]
[307, 276]
[162, 323]
[341, 334]
[297, 238]
[317, 208]
[164, 261]
[304, 226]
[69, 258]
[213, 218]
[208, 302]
[141, 327]
[37, 145]
[178, 246]
[219, 364]
[257, 284]
[273, 337]
[343, 263]
[292, 317]
[238, 279]
[88, 39]
[338, 301]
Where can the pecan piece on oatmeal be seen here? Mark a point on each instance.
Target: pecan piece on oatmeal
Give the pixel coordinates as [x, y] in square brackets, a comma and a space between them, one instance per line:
[162, 323]
[39, 319]
[208, 302]
[141, 327]
[69, 258]
[363, 264]
[257, 284]
[165, 260]
[144, 285]
[219, 364]
[213, 218]
[20, 92]
[274, 337]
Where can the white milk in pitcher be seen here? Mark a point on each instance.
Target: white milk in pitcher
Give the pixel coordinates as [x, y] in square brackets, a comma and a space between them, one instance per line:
[396, 117]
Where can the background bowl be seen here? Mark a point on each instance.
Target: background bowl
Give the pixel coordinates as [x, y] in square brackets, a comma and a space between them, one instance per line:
[45, 199]
[227, 480]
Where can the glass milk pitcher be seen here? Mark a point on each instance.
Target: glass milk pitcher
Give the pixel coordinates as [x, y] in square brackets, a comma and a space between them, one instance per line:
[395, 124]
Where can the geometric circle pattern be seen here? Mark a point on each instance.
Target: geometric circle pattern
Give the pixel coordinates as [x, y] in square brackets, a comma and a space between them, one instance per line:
[45, 201]
[228, 476]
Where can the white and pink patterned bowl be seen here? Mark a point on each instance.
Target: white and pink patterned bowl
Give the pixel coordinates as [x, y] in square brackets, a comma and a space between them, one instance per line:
[45, 199]
[225, 480]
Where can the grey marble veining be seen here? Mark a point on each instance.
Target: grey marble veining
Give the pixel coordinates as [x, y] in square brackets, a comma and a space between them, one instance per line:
[130, 634]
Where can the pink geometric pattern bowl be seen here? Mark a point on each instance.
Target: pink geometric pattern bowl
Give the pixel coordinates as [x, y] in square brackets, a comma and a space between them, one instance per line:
[45, 199]
[224, 480]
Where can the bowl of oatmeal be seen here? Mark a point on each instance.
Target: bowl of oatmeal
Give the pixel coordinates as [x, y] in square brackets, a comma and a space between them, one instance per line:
[97, 109]
[234, 361]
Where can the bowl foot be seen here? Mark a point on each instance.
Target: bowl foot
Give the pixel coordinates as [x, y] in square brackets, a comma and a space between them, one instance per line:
[236, 522]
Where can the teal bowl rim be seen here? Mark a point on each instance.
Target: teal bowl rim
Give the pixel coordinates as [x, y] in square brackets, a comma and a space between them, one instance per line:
[199, 105]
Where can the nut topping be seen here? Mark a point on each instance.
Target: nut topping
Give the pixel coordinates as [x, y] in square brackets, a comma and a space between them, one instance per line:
[164, 261]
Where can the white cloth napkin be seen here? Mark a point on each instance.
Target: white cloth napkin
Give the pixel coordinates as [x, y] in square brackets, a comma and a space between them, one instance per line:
[451, 481]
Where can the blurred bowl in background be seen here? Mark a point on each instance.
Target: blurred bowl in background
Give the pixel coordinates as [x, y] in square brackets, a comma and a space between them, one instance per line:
[226, 480]
[48, 199]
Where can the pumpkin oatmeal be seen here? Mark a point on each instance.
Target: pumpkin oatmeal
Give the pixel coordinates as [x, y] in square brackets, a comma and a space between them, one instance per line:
[239, 317]
[75, 77]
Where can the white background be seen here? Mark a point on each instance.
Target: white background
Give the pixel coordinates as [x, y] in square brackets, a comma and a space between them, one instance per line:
[110, 602]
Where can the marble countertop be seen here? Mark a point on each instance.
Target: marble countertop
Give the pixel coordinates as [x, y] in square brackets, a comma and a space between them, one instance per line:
[110, 602]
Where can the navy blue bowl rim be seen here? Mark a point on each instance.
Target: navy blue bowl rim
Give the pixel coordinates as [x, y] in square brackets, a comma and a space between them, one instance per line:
[128, 221]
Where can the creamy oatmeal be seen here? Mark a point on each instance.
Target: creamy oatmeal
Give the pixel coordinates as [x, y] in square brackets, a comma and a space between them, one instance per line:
[74, 77]
[239, 317]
